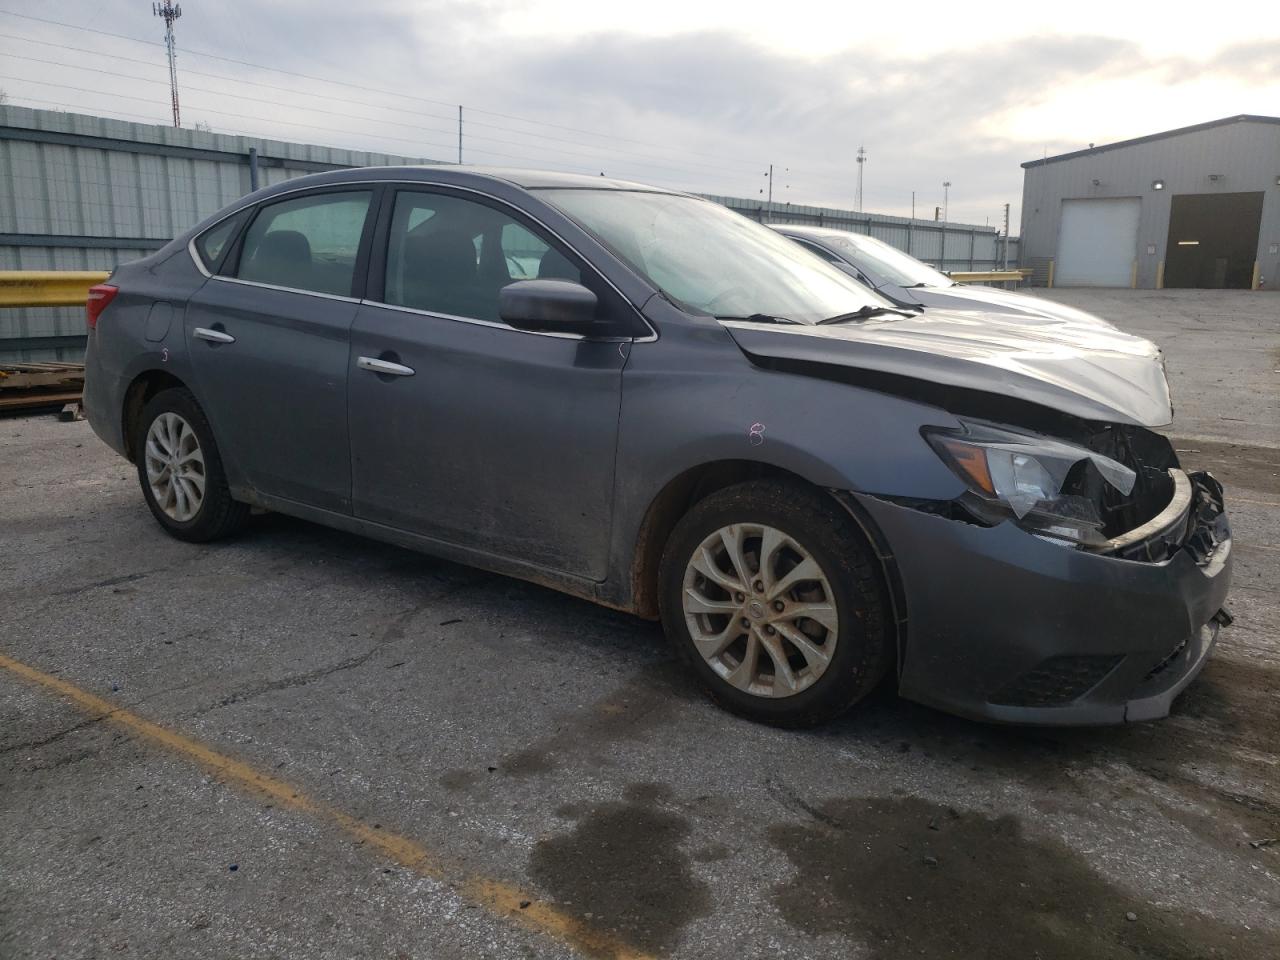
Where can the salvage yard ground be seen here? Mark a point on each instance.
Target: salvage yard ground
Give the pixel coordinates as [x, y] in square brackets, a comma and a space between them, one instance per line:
[328, 747]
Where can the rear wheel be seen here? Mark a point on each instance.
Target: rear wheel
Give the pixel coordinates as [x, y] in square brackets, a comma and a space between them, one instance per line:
[181, 472]
[772, 595]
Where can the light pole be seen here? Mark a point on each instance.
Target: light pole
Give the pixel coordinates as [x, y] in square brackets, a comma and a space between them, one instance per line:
[861, 158]
[946, 190]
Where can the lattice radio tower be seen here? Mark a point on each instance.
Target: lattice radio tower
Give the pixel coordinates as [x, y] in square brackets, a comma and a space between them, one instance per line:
[169, 12]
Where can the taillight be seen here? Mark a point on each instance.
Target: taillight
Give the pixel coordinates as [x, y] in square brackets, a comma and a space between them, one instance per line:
[99, 297]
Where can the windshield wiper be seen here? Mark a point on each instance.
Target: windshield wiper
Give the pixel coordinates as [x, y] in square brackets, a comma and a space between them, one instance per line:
[864, 313]
[763, 318]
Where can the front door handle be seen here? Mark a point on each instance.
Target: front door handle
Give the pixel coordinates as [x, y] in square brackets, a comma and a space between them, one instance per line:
[374, 365]
[213, 336]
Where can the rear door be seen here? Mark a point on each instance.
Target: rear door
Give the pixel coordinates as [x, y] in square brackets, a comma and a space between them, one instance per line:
[269, 340]
[482, 436]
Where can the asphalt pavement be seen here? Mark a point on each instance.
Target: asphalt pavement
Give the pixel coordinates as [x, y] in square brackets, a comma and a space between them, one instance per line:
[303, 744]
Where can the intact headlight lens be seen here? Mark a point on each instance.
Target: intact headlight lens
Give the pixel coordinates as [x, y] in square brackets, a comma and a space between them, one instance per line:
[1025, 473]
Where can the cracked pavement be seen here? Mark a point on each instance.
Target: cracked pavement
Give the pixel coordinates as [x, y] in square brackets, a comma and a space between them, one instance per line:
[553, 745]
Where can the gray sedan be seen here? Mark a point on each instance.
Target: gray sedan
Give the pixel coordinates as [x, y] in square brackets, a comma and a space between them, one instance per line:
[643, 399]
[913, 284]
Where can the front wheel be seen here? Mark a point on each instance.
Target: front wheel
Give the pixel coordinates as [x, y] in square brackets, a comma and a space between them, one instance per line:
[772, 595]
[181, 472]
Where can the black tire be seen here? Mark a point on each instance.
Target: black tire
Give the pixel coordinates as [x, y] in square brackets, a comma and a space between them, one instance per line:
[863, 649]
[218, 515]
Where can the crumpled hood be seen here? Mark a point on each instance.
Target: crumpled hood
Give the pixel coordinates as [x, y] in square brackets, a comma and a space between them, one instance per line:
[1011, 301]
[1077, 367]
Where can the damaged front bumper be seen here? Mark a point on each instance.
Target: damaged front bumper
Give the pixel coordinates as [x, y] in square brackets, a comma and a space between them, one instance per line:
[1006, 626]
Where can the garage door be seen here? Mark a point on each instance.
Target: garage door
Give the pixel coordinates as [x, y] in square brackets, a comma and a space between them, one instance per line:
[1097, 242]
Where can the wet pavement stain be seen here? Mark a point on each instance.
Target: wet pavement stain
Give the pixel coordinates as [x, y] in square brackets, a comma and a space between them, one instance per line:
[595, 732]
[527, 763]
[911, 878]
[459, 779]
[712, 853]
[621, 870]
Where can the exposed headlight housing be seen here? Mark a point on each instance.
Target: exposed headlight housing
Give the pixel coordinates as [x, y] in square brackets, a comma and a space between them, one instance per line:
[1021, 476]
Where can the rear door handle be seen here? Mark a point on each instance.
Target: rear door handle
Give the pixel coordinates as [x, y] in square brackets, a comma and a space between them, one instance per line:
[374, 365]
[213, 336]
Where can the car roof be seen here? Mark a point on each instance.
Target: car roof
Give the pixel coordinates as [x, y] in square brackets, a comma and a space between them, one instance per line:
[532, 179]
[465, 176]
[807, 231]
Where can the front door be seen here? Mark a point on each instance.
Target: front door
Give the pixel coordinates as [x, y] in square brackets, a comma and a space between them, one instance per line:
[464, 429]
[269, 344]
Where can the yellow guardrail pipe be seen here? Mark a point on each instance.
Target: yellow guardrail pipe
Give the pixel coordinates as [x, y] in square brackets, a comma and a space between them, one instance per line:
[985, 276]
[47, 288]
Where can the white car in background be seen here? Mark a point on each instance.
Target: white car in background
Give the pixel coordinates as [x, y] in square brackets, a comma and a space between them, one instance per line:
[912, 284]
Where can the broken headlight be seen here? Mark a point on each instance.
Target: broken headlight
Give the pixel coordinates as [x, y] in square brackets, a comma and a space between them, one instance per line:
[1029, 478]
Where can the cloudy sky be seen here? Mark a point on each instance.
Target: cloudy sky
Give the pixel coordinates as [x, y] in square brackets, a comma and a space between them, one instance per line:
[695, 94]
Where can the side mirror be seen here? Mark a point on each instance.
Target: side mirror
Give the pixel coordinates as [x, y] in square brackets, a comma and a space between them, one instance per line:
[549, 306]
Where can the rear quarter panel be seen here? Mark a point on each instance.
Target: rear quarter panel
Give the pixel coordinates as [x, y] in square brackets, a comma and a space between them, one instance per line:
[130, 340]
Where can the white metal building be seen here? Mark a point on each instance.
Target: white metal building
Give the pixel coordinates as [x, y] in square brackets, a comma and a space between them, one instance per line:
[1193, 207]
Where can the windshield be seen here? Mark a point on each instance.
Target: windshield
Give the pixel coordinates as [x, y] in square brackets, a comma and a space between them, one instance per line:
[710, 260]
[889, 263]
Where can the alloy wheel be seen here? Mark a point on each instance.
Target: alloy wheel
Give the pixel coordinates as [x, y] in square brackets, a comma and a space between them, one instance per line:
[175, 467]
[760, 610]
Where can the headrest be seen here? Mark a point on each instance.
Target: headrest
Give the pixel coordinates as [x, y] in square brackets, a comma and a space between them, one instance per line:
[284, 245]
[447, 254]
[554, 265]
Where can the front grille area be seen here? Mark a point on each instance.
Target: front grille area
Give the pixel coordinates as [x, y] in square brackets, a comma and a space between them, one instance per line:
[1209, 527]
[1163, 664]
[1055, 682]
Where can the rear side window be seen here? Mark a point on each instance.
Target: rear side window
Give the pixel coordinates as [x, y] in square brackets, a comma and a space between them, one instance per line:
[309, 243]
[212, 244]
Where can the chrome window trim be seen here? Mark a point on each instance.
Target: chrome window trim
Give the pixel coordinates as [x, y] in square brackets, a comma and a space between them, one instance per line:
[191, 244]
[273, 286]
[497, 325]
[195, 254]
[649, 338]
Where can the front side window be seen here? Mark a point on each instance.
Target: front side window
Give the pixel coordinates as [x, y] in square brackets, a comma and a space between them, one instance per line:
[453, 256]
[826, 255]
[712, 260]
[307, 244]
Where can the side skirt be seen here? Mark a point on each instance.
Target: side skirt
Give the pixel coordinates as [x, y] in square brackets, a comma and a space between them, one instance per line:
[574, 586]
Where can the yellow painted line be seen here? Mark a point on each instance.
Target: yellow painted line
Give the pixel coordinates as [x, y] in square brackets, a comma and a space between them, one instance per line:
[498, 897]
